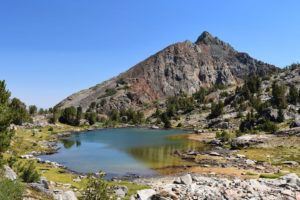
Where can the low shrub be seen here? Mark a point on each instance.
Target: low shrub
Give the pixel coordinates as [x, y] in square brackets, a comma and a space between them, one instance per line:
[11, 189]
[29, 173]
[224, 136]
[272, 176]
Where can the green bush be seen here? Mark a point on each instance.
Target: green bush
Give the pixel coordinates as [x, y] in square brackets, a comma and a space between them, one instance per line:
[61, 171]
[91, 117]
[224, 136]
[121, 81]
[239, 114]
[272, 176]
[248, 123]
[252, 84]
[268, 126]
[250, 174]
[68, 116]
[217, 109]
[200, 95]
[165, 119]
[108, 92]
[238, 133]
[32, 110]
[179, 124]
[29, 173]
[5, 120]
[103, 102]
[266, 78]
[11, 190]
[224, 94]
[293, 96]
[53, 119]
[280, 116]
[278, 95]
[50, 129]
[19, 111]
[97, 188]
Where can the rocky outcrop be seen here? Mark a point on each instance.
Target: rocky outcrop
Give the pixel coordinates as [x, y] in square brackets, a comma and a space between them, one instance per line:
[287, 187]
[295, 123]
[121, 191]
[183, 67]
[145, 194]
[41, 186]
[249, 140]
[61, 195]
[288, 132]
[9, 173]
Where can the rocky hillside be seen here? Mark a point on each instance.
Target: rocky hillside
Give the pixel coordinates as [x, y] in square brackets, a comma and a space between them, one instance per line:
[182, 67]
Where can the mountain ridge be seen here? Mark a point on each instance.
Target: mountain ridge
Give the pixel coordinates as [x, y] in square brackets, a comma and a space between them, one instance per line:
[182, 67]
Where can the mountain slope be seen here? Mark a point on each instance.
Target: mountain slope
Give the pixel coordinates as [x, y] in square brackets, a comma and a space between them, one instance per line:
[181, 67]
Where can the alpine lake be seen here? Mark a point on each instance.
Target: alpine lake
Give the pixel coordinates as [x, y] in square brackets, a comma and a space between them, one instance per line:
[124, 151]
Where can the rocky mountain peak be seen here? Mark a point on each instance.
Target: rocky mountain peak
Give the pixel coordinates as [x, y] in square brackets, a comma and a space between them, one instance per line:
[205, 37]
[183, 67]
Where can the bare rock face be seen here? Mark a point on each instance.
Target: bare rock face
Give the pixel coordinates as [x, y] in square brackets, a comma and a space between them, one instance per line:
[288, 132]
[9, 173]
[183, 67]
[248, 140]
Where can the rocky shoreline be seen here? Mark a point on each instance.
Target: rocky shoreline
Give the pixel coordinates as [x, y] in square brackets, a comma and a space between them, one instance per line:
[187, 184]
[200, 187]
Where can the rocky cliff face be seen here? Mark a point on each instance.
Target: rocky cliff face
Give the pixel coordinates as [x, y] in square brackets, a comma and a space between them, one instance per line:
[183, 67]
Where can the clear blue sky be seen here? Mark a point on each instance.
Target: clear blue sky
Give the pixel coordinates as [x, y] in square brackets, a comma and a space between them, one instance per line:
[50, 49]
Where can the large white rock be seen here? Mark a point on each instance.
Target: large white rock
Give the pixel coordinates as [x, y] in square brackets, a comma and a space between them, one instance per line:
[9, 173]
[187, 179]
[69, 195]
[146, 194]
[291, 179]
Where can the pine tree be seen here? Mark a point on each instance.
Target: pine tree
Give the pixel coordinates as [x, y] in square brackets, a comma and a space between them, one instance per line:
[280, 116]
[78, 116]
[217, 109]
[32, 110]
[278, 95]
[20, 113]
[5, 120]
[293, 96]
[68, 116]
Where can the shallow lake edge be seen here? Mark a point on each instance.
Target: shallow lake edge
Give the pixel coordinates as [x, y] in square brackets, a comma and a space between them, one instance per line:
[67, 134]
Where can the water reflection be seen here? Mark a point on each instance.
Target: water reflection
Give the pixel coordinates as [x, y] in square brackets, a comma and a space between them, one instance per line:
[162, 155]
[69, 143]
[121, 151]
[78, 143]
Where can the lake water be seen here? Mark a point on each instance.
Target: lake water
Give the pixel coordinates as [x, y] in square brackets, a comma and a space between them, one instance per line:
[119, 152]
